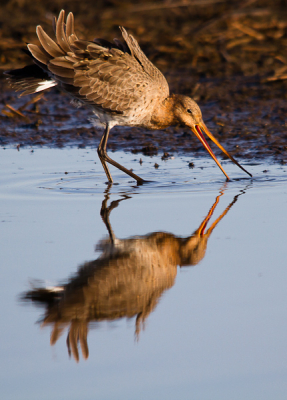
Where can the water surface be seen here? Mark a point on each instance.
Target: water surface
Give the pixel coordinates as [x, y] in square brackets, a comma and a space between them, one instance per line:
[213, 330]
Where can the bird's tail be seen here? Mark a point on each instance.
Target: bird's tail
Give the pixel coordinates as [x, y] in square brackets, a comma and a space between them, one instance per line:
[30, 79]
[43, 295]
[52, 63]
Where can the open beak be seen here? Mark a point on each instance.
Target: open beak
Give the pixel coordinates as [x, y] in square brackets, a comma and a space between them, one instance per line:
[199, 134]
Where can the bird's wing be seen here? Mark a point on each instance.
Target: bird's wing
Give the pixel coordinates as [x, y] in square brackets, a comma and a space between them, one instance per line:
[112, 76]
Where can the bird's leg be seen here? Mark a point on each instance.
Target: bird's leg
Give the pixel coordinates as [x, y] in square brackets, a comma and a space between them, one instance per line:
[102, 152]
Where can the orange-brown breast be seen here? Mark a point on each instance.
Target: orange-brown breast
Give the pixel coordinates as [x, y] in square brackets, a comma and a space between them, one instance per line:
[163, 115]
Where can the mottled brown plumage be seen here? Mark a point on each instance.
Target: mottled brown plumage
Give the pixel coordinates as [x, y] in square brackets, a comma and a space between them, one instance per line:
[109, 76]
[116, 80]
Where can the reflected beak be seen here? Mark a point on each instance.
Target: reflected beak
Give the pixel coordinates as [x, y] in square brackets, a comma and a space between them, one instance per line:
[199, 134]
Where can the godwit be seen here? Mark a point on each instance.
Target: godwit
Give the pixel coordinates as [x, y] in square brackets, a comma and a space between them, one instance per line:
[115, 79]
[126, 280]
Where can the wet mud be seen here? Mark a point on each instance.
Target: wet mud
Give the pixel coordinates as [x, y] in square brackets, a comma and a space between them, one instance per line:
[229, 56]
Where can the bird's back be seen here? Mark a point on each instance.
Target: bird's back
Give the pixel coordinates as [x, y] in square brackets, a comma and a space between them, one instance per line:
[116, 79]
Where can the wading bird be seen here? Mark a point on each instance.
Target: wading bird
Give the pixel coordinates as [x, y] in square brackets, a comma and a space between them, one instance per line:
[115, 79]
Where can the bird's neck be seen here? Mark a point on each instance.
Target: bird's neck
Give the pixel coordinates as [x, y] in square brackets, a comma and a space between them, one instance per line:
[163, 114]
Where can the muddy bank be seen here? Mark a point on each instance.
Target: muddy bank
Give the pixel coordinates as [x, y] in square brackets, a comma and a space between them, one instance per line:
[249, 126]
[229, 56]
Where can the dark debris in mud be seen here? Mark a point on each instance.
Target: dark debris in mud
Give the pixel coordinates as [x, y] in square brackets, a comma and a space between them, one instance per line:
[231, 57]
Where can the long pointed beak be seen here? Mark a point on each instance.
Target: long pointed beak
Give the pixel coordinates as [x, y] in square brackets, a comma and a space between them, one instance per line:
[199, 134]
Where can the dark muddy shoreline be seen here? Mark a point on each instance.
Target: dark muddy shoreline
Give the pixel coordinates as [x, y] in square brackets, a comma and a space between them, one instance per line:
[249, 127]
[229, 56]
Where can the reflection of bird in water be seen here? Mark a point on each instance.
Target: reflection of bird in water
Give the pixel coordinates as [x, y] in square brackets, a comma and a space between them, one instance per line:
[127, 279]
[115, 79]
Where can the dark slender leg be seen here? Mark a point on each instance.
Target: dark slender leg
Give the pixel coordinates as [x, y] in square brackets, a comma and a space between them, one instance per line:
[105, 158]
[102, 151]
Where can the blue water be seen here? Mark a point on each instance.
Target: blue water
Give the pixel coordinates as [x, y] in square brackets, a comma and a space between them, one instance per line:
[217, 332]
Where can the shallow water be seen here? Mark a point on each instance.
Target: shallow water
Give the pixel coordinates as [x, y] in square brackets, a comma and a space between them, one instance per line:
[216, 330]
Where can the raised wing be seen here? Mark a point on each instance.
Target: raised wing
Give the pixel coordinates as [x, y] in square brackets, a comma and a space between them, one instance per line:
[111, 76]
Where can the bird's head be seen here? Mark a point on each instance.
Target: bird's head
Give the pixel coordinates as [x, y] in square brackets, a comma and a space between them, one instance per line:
[187, 113]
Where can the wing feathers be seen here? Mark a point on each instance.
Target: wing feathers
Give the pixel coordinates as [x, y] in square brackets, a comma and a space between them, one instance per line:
[62, 62]
[112, 75]
[39, 53]
[61, 34]
[85, 90]
[81, 44]
[60, 71]
[70, 25]
[72, 38]
[48, 44]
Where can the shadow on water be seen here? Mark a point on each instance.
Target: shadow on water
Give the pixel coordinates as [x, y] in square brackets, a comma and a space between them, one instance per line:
[126, 280]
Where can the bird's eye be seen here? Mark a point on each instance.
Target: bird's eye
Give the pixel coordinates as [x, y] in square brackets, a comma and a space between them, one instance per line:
[189, 111]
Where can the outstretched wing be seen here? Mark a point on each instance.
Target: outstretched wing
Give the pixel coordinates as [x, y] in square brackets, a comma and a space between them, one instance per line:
[111, 76]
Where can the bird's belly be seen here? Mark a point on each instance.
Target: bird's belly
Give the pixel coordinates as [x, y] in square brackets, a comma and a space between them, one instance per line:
[131, 117]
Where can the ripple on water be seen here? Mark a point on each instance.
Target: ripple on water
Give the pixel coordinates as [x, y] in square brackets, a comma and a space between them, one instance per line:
[78, 171]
